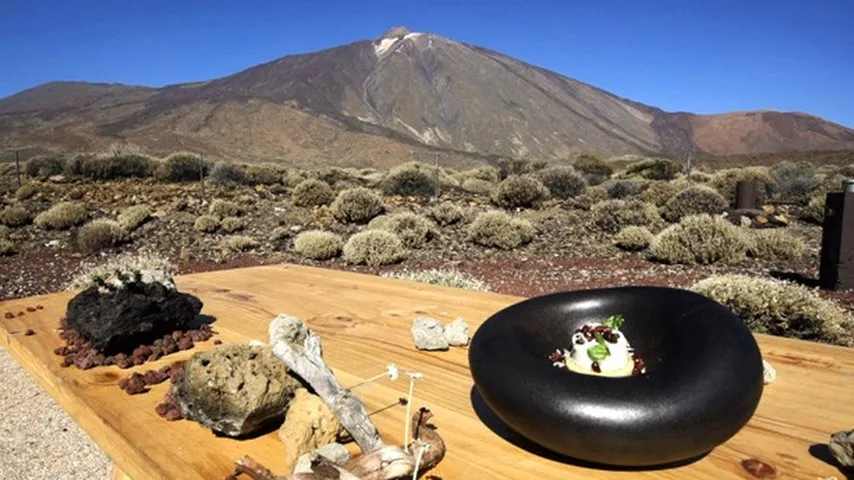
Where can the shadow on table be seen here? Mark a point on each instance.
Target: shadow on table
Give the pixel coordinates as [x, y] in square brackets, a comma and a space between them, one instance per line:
[201, 319]
[821, 452]
[486, 415]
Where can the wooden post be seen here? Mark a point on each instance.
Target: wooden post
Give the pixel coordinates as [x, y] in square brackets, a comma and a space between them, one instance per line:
[202, 175]
[745, 195]
[438, 191]
[18, 166]
[836, 270]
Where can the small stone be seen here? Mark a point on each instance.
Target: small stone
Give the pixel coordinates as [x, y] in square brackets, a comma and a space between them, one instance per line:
[457, 332]
[334, 452]
[782, 219]
[769, 373]
[428, 334]
[761, 220]
[288, 329]
[9, 315]
[29, 332]
[308, 425]
[758, 468]
[842, 447]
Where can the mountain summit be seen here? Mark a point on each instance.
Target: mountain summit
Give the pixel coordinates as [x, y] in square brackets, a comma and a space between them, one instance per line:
[402, 96]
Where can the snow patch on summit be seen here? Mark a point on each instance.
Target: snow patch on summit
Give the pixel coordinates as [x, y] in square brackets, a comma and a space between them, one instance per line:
[384, 45]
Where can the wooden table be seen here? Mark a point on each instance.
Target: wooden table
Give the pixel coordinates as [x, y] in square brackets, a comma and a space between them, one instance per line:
[364, 323]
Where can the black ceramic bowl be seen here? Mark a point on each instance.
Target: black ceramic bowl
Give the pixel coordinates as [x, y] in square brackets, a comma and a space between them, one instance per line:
[703, 380]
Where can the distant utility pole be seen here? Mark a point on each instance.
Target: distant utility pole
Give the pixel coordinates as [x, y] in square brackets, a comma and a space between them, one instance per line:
[202, 175]
[438, 191]
[18, 166]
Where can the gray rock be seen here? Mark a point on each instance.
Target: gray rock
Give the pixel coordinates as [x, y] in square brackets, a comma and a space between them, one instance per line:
[842, 447]
[457, 332]
[235, 389]
[288, 329]
[428, 334]
[769, 373]
[334, 452]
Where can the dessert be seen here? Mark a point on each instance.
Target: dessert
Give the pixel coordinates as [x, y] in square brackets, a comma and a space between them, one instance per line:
[600, 349]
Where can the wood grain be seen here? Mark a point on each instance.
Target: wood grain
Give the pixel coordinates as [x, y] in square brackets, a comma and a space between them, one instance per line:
[364, 323]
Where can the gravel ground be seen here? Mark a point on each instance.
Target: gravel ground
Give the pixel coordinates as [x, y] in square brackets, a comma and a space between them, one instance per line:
[53, 446]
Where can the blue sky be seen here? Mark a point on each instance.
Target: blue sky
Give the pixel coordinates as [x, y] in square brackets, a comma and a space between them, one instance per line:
[702, 57]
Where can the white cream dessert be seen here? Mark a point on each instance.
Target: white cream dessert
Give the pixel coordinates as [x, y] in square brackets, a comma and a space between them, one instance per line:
[600, 349]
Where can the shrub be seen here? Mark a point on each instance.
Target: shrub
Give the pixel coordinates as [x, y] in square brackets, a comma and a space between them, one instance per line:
[6, 247]
[518, 166]
[108, 167]
[411, 179]
[224, 208]
[374, 248]
[701, 239]
[520, 191]
[413, 230]
[486, 173]
[814, 212]
[633, 238]
[238, 243]
[500, 230]
[479, 187]
[658, 193]
[312, 192]
[62, 216]
[14, 216]
[132, 217]
[206, 224]
[74, 164]
[444, 277]
[446, 213]
[292, 179]
[776, 245]
[43, 166]
[280, 233]
[113, 274]
[357, 205]
[624, 187]
[318, 245]
[654, 169]
[793, 182]
[100, 234]
[226, 172]
[593, 166]
[693, 201]
[780, 308]
[231, 224]
[333, 175]
[264, 174]
[182, 167]
[724, 181]
[562, 181]
[611, 216]
[26, 192]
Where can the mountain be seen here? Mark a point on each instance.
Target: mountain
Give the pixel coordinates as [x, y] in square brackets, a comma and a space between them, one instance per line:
[400, 97]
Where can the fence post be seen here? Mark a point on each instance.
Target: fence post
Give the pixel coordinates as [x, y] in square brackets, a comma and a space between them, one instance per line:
[202, 175]
[437, 190]
[18, 167]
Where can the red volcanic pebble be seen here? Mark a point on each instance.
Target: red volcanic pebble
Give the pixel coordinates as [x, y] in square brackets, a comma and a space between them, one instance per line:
[29, 332]
[9, 315]
[39, 307]
[20, 314]
[217, 342]
[31, 309]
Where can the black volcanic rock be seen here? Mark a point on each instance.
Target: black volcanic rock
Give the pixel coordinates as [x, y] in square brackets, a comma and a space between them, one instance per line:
[119, 320]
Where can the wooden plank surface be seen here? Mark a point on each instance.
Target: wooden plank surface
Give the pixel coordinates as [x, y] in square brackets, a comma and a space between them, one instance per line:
[364, 324]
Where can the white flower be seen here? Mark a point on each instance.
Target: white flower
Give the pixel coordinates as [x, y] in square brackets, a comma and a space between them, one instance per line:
[392, 371]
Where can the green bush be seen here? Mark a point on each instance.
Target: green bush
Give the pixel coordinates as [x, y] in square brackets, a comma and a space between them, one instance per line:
[780, 308]
[238, 243]
[292, 179]
[510, 167]
[374, 248]
[279, 234]
[62, 216]
[357, 205]
[633, 238]
[7, 247]
[413, 230]
[226, 172]
[43, 166]
[520, 191]
[74, 164]
[109, 167]
[182, 167]
[658, 193]
[724, 181]
[793, 182]
[263, 174]
[776, 245]
[562, 181]
[694, 201]
[443, 277]
[231, 224]
[500, 230]
[312, 192]
[654, 169]
[225, 208]
[26, 192]
[593, 166]
[620, 188]
[446, 213]
[611, 216]
[701, 239]
[333, 176]
[14, 216]
[411, 179]
[132, 217]
[814, 212]
[206, 224]
[318, 245]
[100, 234]
[479, 187]
[485, 173]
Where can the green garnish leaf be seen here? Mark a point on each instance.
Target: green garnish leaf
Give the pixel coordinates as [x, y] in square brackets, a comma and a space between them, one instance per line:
[600, 350]
[614, 321]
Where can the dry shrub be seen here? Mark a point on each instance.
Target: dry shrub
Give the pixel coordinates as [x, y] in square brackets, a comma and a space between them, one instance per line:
[500, 230]
[318, 245]
[486, 173]
[7, 247]
[26, 192]
[611, 216]
[594, 168]
[294, 178]
[263, 174]
[413, 230]
[312, 192]
[519, 166]
[620, 188]
[182, 167]
[520, 191]
[479, 187]
[694, 201]
[43, 166]
[443, 277]
[654, 169]
[132, 217]
[231, 224]
[206, 224]
[701, 239]
[724, 181]
[776, 245]
[14, 216]
[357, 205]
[334, 176]
[562, 181]
[279, 234]
[633, 238]
[374, 248]
[226, 172]
[793, 182]
[238, 243]
[224, 208]
[62, 216]
[411, 179]
[100, 234]
[120, 165]
[658, 193]
[814, 212]
[780, 308]
[446, 213]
